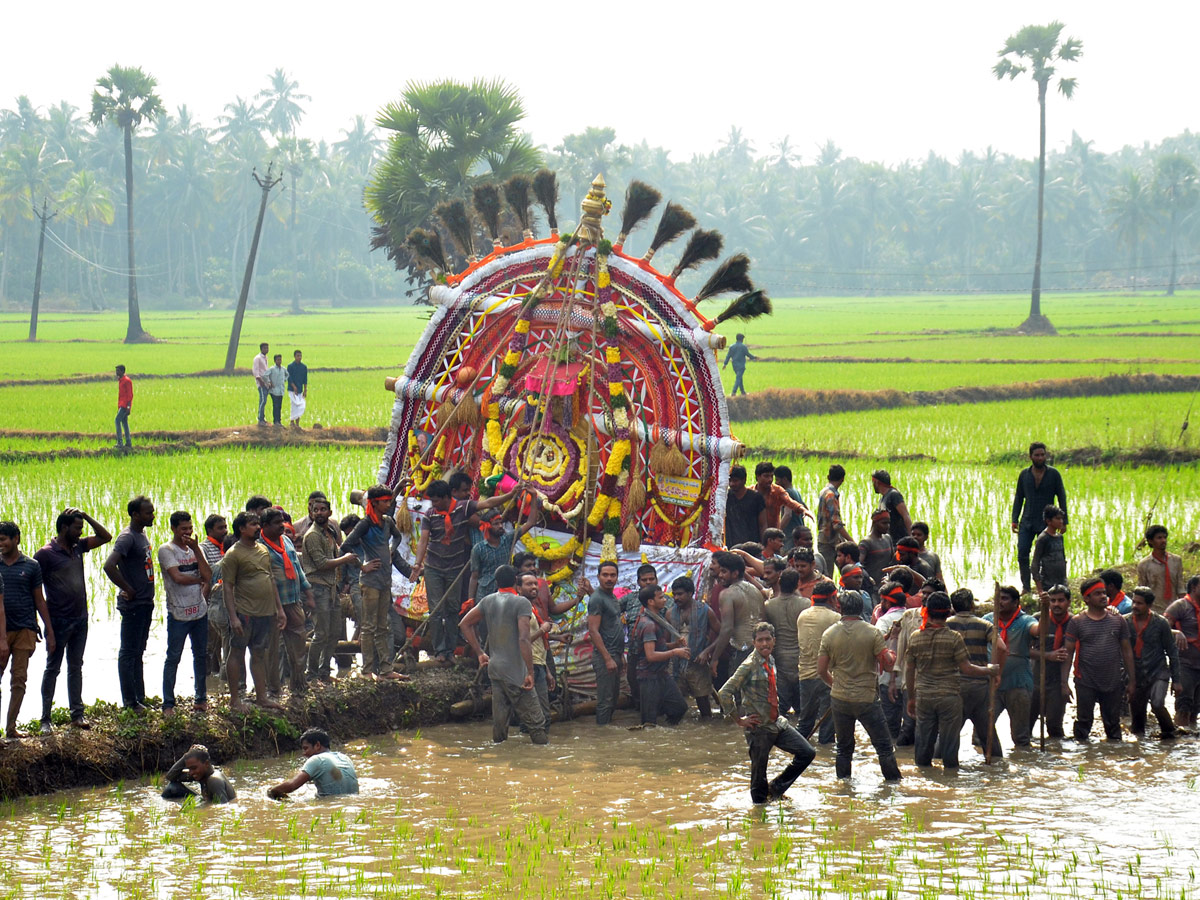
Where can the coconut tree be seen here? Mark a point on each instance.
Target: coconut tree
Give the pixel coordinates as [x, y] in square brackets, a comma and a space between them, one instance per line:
[444, 137]
[1130, 209]
[87, 202]
[1036, 49]
[1177, 185]
[125, 97]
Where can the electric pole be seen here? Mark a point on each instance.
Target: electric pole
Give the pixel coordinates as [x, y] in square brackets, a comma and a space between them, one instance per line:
[235, 335]
[44, 217]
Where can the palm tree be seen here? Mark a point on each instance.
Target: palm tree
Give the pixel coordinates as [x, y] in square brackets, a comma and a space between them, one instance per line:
[446, 137]
[125, 96]
[1177, 184]
[281, 104]
[86, 200]
[1130, 208]
[1039, 47]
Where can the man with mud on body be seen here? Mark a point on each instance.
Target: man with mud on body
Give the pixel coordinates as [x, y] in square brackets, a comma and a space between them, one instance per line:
[196, 766]
[608, 640]
[253, 608]
[742, 608]
[1039, 485]
[1098, 640]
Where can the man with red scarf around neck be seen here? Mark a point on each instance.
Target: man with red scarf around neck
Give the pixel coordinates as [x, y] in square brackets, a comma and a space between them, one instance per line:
[1051, 653]
[1184, 616]
[1156, 661]
[443, 555]
[292, 586]
[1161, 571]
[756, 680]
[1098, 640]
[1016, 630]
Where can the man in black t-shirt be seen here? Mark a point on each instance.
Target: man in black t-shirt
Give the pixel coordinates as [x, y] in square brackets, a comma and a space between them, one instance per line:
[130, 566]
[745, 511]
[890, 499]
[66, 599]
[22, 603]
[657, 689]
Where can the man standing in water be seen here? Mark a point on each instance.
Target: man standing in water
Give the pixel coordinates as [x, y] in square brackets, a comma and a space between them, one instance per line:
[510, 658]
[66, 599]
[741, 609]
[1156, 661]
[608, 641]
[331, 771]
[1101, 639]
[196, 766]
[1038, 486]
[738, 354]
[1015, 630]
[130, 566]
[1184, 617]
[849, 653]
[757, 681]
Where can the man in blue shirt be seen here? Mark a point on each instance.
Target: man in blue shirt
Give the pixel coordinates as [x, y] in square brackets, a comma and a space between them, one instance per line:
[332, 772]
[1014, 629]
[738, 354]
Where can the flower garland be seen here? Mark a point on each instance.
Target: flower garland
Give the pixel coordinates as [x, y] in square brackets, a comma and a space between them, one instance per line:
[550, 553]
[424, 473]
[606, 508]
[656, 502]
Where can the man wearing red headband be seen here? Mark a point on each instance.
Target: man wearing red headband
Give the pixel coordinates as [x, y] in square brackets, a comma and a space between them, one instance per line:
[1098, 641]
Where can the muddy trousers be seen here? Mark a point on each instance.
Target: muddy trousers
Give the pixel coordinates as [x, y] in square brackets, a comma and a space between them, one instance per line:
[974, 694]
[324, 639]
[759, 742]
[659, 695]
[509, 698]
[1056, 707]
[1086, 699]
[21, 645]
[70, 639]
[1187, 704]
[1017, 702]
[939, 721]
[285, 653]
[375, 631]
[1027, 534]
[1153, 693]
[845, 715]
[608, 687]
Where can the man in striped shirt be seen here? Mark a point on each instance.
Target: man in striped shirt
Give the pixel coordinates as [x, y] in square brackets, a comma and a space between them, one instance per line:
[979, 636]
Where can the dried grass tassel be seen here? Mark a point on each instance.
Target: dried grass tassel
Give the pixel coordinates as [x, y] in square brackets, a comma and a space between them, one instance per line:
[658, 454]
[676, 462]
[636, 496]
[631, 538]
[404, 519]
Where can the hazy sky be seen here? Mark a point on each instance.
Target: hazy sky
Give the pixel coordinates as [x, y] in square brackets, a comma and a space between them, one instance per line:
[885, 81]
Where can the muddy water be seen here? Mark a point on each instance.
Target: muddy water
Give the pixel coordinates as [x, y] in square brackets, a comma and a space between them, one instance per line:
[613, 812]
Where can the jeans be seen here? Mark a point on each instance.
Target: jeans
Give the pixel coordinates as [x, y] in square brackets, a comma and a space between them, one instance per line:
[446, 590]
[324, 641]
[262, 403]
[608, 686]
[375, 632]
[196, 632]
[939, 722]
[1086, 699]
[1151, 692]
[135, 631]
[737, 382]
[790, 698]
[759, 742]
[541, 687]
[508, 698]
[122, 423]
[1018, 702]
[814, 704]
[1027, 533]
[276, 408]
[70, 638]
[845, 715]
[659, 694]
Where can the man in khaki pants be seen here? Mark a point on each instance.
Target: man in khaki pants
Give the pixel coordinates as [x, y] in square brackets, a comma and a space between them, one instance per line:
[21, 601]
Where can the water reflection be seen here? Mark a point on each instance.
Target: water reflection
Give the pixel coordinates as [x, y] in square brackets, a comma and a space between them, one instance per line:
[609, 812]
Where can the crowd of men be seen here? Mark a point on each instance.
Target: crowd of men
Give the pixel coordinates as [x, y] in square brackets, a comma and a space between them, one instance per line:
[796, 636]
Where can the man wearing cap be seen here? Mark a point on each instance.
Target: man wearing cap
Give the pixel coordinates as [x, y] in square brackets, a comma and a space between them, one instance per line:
[811, 624]
[892, 501]
[877, 550]
[1098, 641]
[937, 656]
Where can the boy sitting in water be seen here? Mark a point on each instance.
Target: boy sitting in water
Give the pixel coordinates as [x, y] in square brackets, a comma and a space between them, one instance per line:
[196, 766]
[332, 772]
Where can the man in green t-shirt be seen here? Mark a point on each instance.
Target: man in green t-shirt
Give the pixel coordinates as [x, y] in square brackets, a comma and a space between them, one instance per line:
[846, 662]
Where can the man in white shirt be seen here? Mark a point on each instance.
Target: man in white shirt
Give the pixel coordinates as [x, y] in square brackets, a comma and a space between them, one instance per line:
[260, 381]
